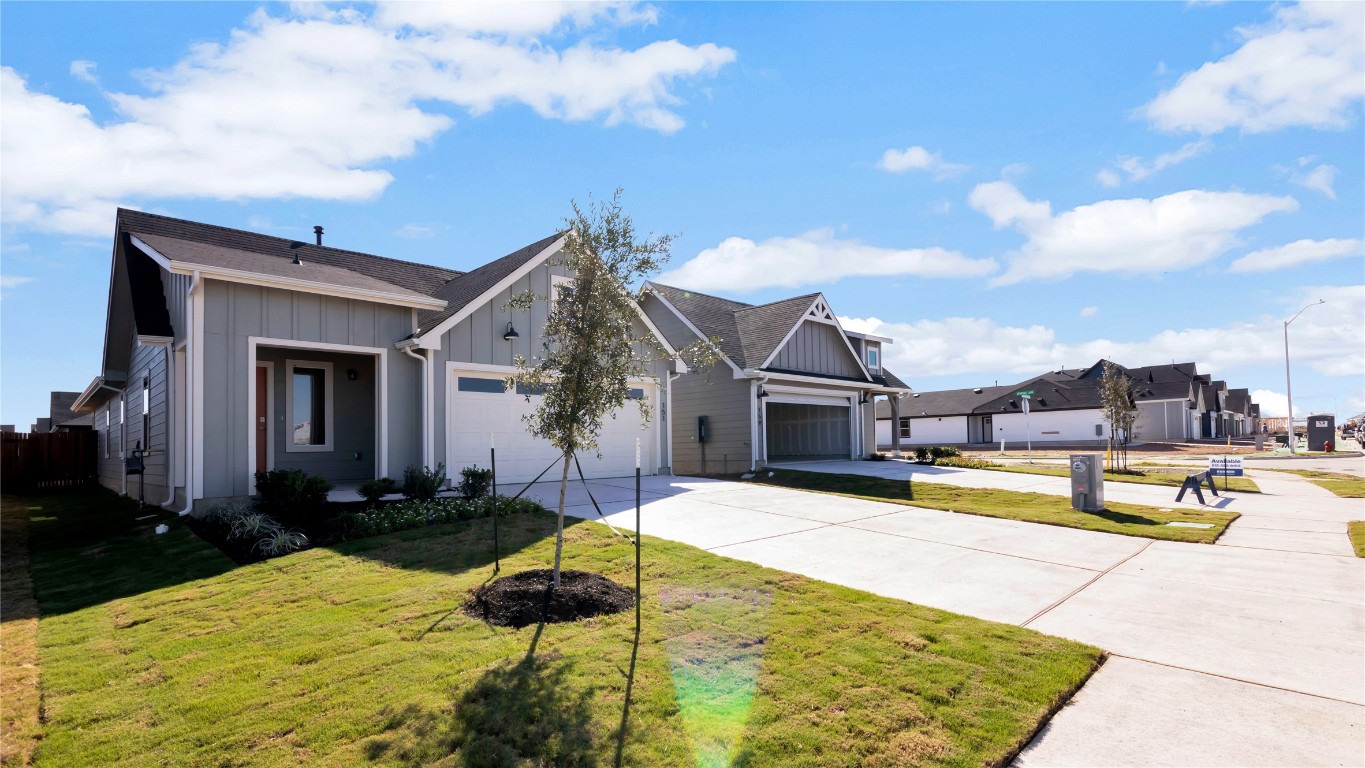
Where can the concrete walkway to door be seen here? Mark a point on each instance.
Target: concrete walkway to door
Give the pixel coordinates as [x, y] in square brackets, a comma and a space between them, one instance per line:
[1220, 655]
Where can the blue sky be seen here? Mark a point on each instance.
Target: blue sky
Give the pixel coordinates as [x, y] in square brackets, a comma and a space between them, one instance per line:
[1002, 188]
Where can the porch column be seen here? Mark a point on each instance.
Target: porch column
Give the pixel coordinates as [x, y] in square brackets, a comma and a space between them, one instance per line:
[895, 426]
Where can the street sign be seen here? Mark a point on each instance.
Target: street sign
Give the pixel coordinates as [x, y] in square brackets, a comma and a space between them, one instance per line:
[1025, 393]
[1225, 466]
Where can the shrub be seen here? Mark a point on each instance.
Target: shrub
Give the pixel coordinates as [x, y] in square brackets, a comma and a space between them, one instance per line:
[944, 452]
[223, 515]
[474, 482]
[414, 513]
[922, 455]
[423, 484]
[252, 525]
[281, 542]
[874, 456]
[374, 490]
[292, 496]
[964, 462]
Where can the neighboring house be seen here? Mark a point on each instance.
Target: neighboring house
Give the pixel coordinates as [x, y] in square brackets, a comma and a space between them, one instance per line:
[791, 383]
[1174, 402]
[7, 428]
[229, 352]
[62, 418]
[41, 425]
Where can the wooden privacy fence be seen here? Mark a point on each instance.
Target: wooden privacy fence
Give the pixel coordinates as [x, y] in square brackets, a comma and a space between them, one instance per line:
[46, 460]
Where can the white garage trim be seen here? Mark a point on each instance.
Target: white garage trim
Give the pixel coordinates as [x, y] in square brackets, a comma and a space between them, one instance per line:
[651, 439]
[809, 396]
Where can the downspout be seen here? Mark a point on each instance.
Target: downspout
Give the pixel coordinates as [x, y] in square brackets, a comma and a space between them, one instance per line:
[170, 444]
[668, 422]
[191, 353]
[426, 406]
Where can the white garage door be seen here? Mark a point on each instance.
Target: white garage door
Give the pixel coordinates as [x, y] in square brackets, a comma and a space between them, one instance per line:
[479, 406]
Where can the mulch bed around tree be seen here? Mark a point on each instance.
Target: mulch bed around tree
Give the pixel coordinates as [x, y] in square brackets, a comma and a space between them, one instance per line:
[524, 598]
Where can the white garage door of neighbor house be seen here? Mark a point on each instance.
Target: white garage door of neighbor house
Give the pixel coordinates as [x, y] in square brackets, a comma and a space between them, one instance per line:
[479, 405]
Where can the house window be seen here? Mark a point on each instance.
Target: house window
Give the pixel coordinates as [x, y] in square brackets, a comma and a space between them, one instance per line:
[146, 412]
[873, 358]
[480, 384]
[308, 406]
[905, 427]
[636, 394]
[527, 391]
[122, 431]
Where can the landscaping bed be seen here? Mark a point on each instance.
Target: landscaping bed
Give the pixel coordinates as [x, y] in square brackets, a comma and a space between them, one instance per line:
[156, 650]
[1126, 519]
[526, 598]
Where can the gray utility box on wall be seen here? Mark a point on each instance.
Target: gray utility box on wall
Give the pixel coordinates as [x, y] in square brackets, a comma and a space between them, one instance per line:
[1087, 481]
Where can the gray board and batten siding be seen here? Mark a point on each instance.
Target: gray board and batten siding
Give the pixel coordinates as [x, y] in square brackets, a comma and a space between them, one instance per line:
[478, 339]
[235, 312]
[817, 348]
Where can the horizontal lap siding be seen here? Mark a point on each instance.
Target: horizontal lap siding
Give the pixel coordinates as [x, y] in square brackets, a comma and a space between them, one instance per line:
[716, 394]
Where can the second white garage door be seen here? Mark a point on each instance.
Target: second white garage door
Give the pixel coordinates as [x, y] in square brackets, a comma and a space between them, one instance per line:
[479, 405]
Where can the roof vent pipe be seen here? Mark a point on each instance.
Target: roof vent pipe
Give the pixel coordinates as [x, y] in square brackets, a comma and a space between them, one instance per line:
[317, 230]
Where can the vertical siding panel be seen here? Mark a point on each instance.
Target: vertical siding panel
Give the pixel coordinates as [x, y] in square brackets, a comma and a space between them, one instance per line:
[309, 308]
[279, 323]
[363, 324]
[335, 320]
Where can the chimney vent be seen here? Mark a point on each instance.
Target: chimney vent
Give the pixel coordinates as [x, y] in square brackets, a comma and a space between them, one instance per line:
[317, 230]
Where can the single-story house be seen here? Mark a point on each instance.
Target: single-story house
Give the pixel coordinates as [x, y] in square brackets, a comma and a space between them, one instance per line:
[791, 384]
[1174, 402]
[228, 352]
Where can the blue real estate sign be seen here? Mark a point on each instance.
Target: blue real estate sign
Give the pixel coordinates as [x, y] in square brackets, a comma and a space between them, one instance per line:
[1225, 466]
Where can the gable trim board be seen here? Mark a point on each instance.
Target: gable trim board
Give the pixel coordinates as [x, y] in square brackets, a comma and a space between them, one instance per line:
[818, 312]
[735, 369]
[431, 338]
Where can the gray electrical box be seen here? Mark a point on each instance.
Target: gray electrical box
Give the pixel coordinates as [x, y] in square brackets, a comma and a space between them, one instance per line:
[1322, 431]
[1087, 481]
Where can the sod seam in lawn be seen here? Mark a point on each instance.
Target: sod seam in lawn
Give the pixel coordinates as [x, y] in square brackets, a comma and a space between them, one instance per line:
[359, 654]
[1340, 483]
[1125, 519]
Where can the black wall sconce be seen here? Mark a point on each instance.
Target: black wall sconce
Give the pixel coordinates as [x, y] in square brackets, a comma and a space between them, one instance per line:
[352, 374]
[511, 333]
[762, 393]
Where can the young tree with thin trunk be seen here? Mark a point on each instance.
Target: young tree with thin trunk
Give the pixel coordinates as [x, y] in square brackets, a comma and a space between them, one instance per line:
[1118, 403]
[592, 351]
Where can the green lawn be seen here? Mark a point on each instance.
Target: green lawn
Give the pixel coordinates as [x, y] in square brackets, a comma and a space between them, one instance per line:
[1172, 476]
[156, 650]
[1340, 483]
[1356, 530]
[1127, 519]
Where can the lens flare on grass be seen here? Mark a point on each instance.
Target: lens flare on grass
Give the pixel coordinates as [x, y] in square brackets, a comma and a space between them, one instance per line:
[715, 652]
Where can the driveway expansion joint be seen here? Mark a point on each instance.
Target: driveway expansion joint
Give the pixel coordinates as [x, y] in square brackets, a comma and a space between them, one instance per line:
[1082, 587]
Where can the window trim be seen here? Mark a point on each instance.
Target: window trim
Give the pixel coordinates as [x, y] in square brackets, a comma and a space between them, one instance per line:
[556, 283]
[904, 427]
[122, 425]
[329, 423]
[874, 358]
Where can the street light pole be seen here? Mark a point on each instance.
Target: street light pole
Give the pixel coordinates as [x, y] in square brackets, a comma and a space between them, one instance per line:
[1289, 390]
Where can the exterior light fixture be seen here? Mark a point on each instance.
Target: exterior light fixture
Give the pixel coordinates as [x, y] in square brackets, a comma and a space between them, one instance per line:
[511, 333]
[762, 393]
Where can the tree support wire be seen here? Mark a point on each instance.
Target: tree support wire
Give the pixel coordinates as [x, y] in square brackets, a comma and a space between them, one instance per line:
[585, 487]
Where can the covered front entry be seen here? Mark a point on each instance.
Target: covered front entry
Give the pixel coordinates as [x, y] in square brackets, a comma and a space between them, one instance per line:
[808, 431]
[480, 409]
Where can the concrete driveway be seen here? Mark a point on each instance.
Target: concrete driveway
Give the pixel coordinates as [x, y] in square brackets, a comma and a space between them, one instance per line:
[1235, 654]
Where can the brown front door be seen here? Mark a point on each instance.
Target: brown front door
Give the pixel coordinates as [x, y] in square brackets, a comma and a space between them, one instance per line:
[262, 431]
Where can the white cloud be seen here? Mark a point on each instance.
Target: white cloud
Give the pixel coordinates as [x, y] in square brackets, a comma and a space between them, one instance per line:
[84, 70]
[1090, 311]
[918, 159]
[1305, 68]
[1015, 170]
[1329, 339]
[1138, 169]
[939, 208]
[1296, 253]
[312, 103]
[1172, 232]
[1274, 405]
[739, 265]
[13, 281]
[415, 232]
[1320, 179]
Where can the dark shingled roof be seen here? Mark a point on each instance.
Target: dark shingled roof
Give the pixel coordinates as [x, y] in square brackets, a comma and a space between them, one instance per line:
[266, 264]
[748, 334]
[419, 278]
[459, 292]
[944, 402]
